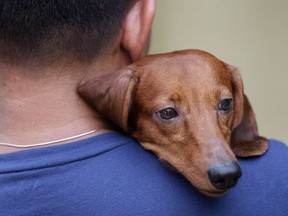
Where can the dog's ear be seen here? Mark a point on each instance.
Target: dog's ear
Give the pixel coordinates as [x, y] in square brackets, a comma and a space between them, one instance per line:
[245, 140]
[111, 95]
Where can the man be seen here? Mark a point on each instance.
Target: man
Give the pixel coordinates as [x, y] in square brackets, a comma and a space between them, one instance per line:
[47, 48]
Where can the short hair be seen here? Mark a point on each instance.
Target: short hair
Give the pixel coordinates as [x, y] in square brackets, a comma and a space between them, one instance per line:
[48, 31]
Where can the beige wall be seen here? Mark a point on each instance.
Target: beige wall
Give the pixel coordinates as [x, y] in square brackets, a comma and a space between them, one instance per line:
[249, 34]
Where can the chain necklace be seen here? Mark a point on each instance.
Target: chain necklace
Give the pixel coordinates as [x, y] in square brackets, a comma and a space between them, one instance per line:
[50, 142]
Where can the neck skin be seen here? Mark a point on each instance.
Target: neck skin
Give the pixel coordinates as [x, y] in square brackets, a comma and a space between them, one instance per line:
[35, 110]
[46, 107]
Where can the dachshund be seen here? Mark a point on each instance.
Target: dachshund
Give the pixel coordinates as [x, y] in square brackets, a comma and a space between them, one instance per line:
[188, 108]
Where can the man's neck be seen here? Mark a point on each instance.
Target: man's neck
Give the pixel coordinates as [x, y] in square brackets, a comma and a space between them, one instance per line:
[40, 110]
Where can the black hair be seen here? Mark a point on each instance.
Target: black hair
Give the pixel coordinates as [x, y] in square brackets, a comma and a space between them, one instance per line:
[45, 31]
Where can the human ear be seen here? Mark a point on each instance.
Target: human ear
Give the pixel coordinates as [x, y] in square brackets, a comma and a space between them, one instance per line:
[137, 28]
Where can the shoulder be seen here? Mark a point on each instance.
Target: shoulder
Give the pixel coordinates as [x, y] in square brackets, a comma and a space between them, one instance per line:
[112, 174]
[274, 161]
[135, 176]
[263, 187]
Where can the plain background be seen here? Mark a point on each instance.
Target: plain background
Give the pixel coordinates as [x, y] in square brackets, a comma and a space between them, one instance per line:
[249, 34]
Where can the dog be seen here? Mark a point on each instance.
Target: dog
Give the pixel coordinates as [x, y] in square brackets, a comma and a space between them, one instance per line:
[189, 109]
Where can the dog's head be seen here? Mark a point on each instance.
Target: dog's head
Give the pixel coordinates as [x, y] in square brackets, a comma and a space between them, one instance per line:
[188, 108]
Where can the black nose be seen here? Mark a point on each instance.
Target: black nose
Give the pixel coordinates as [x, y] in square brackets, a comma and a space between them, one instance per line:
[224, 176]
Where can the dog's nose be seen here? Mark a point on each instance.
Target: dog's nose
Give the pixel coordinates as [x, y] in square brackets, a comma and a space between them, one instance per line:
[223, 175]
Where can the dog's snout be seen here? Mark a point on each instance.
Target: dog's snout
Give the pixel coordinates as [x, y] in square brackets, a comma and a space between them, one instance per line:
[224, 176]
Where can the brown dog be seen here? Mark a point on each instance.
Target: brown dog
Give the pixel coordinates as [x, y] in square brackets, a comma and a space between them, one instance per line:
[187, 107]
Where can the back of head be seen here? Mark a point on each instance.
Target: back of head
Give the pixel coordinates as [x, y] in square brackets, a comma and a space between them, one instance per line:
[44, 32]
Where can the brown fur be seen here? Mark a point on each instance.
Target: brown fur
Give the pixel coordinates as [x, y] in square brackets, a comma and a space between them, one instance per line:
[192, 82]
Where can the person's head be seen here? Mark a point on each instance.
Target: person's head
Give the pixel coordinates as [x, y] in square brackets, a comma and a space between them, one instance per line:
[48, 32]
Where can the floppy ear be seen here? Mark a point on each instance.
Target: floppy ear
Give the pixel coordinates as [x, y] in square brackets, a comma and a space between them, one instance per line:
[245, 140]
[111, 95]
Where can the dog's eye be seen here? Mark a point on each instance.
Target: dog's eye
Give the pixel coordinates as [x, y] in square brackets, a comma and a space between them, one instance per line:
[226, 105]
[167, 113]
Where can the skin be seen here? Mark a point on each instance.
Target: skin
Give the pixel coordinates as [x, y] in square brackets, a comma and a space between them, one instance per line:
[37, 108]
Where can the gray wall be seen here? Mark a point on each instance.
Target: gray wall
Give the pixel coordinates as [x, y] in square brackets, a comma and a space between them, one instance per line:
[249, 34]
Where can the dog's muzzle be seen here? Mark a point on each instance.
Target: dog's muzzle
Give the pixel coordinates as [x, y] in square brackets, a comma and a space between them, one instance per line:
[224, 175]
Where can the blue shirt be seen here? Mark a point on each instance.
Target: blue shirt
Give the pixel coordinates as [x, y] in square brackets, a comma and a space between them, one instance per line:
[111, 174]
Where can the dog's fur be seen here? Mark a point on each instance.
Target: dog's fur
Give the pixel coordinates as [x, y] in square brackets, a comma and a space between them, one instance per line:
[193, 83]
